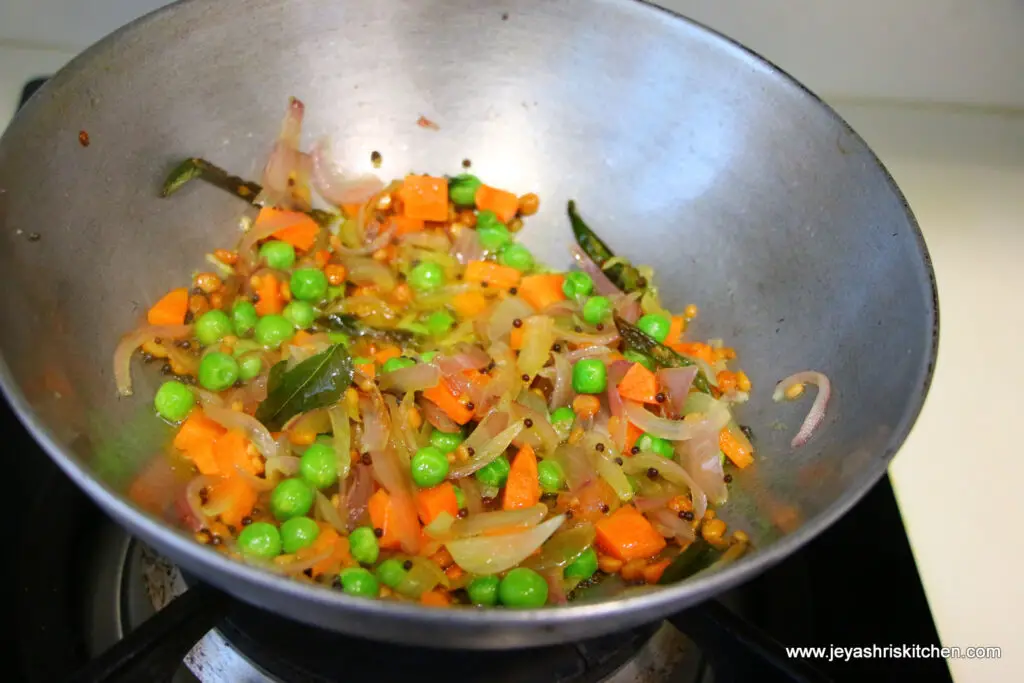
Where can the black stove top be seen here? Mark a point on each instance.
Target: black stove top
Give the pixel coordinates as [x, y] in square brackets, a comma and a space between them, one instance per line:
[78, 583]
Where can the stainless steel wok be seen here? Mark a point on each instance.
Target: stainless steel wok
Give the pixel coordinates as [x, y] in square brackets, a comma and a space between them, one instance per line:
[749, 195]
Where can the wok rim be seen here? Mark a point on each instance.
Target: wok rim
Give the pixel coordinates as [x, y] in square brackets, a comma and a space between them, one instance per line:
[647, 607]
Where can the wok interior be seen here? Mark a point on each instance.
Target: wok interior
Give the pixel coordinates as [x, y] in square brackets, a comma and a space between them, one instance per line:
[748, 197]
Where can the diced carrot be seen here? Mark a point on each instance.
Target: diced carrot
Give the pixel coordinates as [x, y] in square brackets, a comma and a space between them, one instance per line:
[322, 258]
[301, 338]
[454, 572]
[523, 487]
[448, 399]
[433, 501]
[169, 310]
[386, 353]
[675, 329]
[493, 274]
[330, 540]
[516, 338]
[368, 369]
[503, 204]
[425, 197]
[405, 225]
[436, 598]
[627, 535]
[196, 438]
[632, 434]
[697, 350]
[231, 451]
[726, 381]
[234, 497]
[734, 450]
[469, 304]
[293, 227]
[586, 406]
[351, 210]
[540, 291]
[442, 558]
[269, 300]
[380, 509]
[653, 571]
[639, 384]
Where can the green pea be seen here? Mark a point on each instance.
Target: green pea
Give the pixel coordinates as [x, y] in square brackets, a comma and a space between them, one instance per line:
[488, 219]
[426, 277]
[577, 283]
[439, 322]
[596, 309]
[298, 533]
[428, 356]
[483, 590]
[291, 498]
[217, 371]
[429, 467]
[493, 238]
[523, 587]
[359, 582]
[460, 497]
[392, 364]
[338, 338]
[363, 546]
[655, 444]
[277, 254]
[637, 357]
[308, 284]
[273, 330]
[391, 572]
[213, 326]
[261, 540]
[249, 366]
[563, 414]
[319, 466]
[243, 317]
[589, 376]
[583, 567]
[516, 256]
[494, 473]
[655, 326]
[446, 442]
[550, 476]
[462, 189]
[300, 313]
[173, 401]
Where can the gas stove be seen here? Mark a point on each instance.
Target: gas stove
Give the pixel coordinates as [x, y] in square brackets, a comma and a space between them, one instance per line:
[79, 584]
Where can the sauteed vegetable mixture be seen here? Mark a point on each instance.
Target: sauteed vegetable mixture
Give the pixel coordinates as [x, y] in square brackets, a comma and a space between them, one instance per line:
[396, 399]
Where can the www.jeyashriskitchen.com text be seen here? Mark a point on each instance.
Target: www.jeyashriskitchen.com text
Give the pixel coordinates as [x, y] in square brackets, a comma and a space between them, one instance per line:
[843, 653]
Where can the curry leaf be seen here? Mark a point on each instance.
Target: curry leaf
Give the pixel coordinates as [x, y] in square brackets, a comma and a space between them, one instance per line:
[313, 383]
[635, 339]
[698, 556]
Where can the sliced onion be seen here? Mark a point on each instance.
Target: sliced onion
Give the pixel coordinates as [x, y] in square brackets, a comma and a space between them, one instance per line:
[287, 163]
[547, 438]
[471, 356]
[538, 338]
[471, 491]
[649, 503]
[612, 473]
[253, 429]
[193, 499]
[601, 282]
[451, 370]
[132, 341]
[382, 239]
[357, 495]
[587, 352]
[501, 318]
[564, 547]
[677, 383]
[576, 464]
[627, 307]
[556, 586]
[431, 241]
[669, 525]
[375, 424]
[702, 458]
[437, 417]
[288, 465]
[396, 479]
[467, 247]
[424, 576]
[487, 453]
[484, 555]
[364, 271]
[817, 412]
[676, 430]
[299, 565]
[561, 394]
[672, 472]
[487, 522]
[330, 514]
[413, 378]
[609, 336]
[334, 185]
[341, 431]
